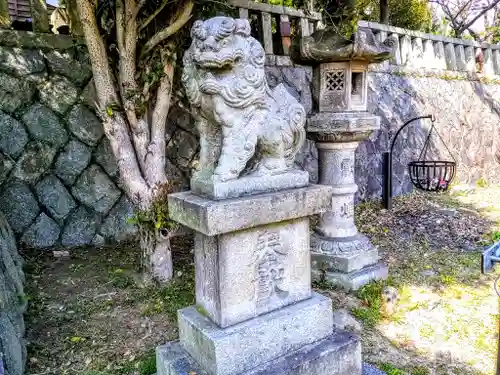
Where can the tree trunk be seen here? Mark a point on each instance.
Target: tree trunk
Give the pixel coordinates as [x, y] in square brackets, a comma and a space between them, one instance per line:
[384, 11]
[75, 24]
[4, 14]
[156, 254]
[40, 16]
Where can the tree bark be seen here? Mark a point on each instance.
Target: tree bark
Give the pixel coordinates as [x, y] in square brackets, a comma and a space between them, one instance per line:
[384, 11]
[40, 16]
[4, 14]
[156, 254]
[75, 25]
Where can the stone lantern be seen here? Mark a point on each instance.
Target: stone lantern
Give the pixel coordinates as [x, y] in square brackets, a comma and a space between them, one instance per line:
[339, 122]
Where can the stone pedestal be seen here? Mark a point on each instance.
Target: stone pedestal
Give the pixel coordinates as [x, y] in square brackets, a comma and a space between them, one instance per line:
[339, 253]
[255, 312]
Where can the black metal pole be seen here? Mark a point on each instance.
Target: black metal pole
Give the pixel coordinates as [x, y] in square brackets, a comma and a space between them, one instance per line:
[498, 351]
[387, 190]
[387, 160]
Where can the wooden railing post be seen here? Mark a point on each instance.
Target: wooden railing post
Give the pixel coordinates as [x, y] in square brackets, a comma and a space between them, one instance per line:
[40, 16]
[285, 34]
[4, 14]
[243, 13]
[267, 32]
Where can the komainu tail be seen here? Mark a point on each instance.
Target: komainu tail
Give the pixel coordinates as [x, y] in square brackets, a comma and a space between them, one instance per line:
[294, 133]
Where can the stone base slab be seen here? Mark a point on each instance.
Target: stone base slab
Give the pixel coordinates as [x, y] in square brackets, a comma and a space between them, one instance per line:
[338, 354]
[342, 254]
[354, 280]
[212, 217]
[238, 348]
[248, 185]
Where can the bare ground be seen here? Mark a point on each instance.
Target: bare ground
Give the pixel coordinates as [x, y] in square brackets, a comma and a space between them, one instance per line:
[91, 315]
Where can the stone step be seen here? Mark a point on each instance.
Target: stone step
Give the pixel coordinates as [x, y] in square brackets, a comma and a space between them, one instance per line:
[240, 347]
[338, 354]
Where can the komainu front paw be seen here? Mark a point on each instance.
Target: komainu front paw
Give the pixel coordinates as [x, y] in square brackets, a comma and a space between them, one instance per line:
[224, 175]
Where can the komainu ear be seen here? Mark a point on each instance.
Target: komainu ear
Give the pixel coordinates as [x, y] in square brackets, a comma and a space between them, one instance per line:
[242, 27]
[197, 30]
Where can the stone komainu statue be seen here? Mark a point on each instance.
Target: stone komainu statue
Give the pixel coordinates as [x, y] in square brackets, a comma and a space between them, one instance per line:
[245, 127]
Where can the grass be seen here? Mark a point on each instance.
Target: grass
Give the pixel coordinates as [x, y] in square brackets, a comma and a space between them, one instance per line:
[446, 320]
[92, 314]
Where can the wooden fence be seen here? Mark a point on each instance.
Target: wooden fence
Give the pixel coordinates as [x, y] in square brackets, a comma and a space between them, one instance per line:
[275, 25]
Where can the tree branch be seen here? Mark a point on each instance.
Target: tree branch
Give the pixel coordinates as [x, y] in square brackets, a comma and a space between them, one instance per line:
[114, 124]
[182, 19]
[483, 11]
[156, 157]
[153, 16]
[126, 77]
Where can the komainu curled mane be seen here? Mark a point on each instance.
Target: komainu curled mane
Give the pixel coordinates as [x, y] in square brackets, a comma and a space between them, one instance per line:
[245, 127]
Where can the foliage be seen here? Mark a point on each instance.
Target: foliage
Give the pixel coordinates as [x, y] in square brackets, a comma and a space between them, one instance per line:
[156, 216]
[371, 295]
[408, 14]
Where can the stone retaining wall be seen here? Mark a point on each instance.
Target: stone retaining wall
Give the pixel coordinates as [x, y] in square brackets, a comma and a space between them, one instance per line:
[12, 304]
[59, 183]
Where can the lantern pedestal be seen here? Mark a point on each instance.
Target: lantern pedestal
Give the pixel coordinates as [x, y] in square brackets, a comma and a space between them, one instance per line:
[340, 254]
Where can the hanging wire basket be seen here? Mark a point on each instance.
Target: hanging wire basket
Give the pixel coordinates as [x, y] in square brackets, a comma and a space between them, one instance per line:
[432, 175]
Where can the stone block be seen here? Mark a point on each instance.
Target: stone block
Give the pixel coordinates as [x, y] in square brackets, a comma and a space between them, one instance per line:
[429, 59]
[53, 195]
[80, 228]
[338, 354]
[89, 94]
[405, 48]
[342, 320]
[14, 354]
[35, 161]
[19, 205]
[104, 157]
[417, 53]
[351, 260]
[470, 59]
[14, 92]
[241, 347]
[460, 57]
[396, 59]
[10, 102]
[44, 232]
[21, 62]
[76, 68]
[58, 93]
[440, 56]
[72, 161]
[115, 226]
[44, 125]
[94, 189]
[13, 136]
[182, 147]
[215, 217]
[243, 274]
[6, 165]
[488, 62]
[98, 240]
[85, 125]
[449, 53]
[354, 280]
[248, 184]
[496, 61]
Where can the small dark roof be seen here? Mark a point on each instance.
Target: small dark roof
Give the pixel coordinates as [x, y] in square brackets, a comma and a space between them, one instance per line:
[20, 10]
